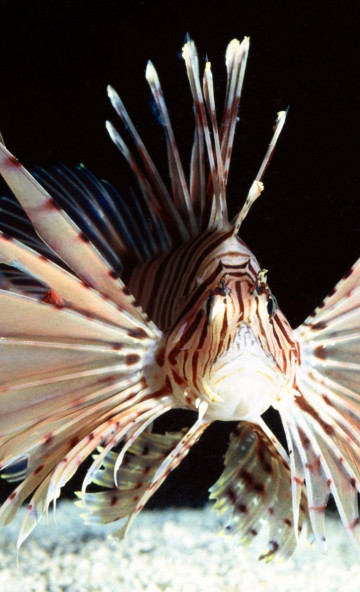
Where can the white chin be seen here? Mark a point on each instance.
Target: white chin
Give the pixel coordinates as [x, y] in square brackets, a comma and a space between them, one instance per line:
[245, 381]
[244, 396]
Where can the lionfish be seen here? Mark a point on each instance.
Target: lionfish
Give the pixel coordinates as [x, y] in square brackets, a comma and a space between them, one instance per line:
[113, 313]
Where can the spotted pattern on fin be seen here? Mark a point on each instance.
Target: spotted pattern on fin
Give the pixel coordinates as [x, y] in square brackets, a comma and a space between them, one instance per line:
[255, 489]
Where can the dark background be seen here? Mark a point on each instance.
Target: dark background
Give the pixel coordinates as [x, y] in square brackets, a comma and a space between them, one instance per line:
[58, 57]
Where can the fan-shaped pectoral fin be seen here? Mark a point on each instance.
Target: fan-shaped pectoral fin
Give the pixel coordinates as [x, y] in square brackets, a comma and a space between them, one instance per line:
[144, 467]
[322, 422]
[255, 490]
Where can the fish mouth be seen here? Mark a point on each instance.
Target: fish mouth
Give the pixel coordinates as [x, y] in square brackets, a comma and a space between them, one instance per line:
[244, 381]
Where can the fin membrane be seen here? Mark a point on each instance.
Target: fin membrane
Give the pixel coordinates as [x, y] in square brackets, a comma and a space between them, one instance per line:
[126, 484]
[255, 490]
[323, 423]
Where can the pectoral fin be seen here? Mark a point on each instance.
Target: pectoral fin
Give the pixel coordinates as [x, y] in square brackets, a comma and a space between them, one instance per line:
[145, 466]
[118, 501]
[323, 422]
[255, 487]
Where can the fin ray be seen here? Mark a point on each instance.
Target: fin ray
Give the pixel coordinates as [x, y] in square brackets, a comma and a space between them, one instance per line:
[255, 488]
[58, 231]
[125, 485]
[322, 424]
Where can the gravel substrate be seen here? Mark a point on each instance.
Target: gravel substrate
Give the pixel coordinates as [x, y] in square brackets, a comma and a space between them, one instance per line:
[175, 550]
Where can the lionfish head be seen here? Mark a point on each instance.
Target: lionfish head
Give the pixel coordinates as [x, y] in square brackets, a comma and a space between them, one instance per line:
[220, 350]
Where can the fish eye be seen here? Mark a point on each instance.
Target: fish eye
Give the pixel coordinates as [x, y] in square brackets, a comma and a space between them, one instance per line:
[221, 289]
[272, 305]
[209, 304]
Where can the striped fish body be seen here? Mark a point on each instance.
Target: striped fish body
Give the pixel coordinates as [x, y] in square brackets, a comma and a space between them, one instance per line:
[112, 315]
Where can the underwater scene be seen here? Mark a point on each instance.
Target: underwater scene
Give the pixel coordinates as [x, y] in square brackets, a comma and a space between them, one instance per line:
[179, 298]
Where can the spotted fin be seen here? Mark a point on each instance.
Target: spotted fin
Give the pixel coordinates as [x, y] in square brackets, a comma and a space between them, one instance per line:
[69, 290]
[72, 377]
[62, 235]
[322, 424]
[167, 452]
[254, 490]
[68, 383]
[125, 485]
[125, 233]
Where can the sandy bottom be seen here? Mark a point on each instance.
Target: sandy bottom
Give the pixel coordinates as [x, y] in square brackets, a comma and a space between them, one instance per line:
[175, 550]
